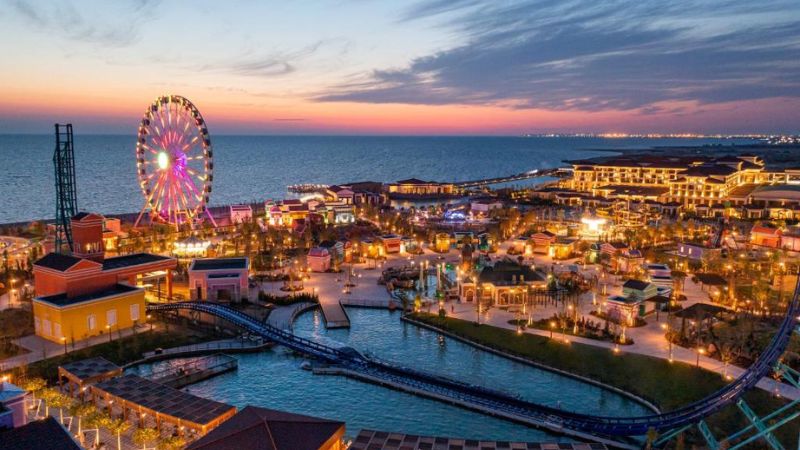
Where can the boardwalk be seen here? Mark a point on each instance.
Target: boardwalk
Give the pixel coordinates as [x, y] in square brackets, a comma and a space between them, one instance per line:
[335, 316]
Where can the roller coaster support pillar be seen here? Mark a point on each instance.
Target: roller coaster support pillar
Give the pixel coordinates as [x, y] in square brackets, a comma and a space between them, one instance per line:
[712, 442]
[759, 424]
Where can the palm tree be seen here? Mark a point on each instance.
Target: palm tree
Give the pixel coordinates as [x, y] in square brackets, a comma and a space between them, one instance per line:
[81, 410]
[144, 436]
[118, 426]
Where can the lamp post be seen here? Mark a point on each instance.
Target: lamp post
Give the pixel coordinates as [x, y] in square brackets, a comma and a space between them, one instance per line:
[150, 321]
[700, 351]
[552, 326]
[108, 330]
[64, 340]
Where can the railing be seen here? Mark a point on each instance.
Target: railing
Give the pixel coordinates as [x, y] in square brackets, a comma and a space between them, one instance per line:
[207, 346]
[502, 402]
[213, 363]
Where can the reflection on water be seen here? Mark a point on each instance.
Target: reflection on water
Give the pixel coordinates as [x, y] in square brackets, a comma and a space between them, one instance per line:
[273, 379]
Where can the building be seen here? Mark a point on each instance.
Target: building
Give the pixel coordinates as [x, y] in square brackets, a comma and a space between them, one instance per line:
[484, 205]
[45, 434]
[60, 318]
[414, 187]
[85, 294]
[697, 251]
[319, 259]
[255, 428]
[563, 247]
[241, 213]
[766, 236]
[442, 242]
[191, 247]
[629, 261]
[12, 406]
[640, 290]
[505, 283]
[710, 186]
[542, 241]
[625, 310]
[219, 279]
[390, 243]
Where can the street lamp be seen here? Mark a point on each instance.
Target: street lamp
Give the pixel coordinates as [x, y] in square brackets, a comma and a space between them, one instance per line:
[700, 351]
[108, 330]
[64, 340]
[552, 326]
[150, 321]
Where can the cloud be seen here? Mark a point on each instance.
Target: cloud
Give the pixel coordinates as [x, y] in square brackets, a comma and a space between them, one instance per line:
[592, 56]
[121, 28]
[273, 63]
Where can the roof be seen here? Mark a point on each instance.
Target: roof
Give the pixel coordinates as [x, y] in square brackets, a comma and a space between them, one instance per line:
[9, 392]
[711, 279]
[319, 252]
[709, 170]
[503, 273]
[415, 181]
[638, 285]
[378, 440]
[57, 261]
[63, 300]
[700, 311]
[219, 264]
[134, 259]
[257, 428]
[765, 230]
[90, 368]
[46, 434]
[164, 399]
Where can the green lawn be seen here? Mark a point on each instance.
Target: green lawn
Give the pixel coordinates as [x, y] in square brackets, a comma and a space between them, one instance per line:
[667, 385]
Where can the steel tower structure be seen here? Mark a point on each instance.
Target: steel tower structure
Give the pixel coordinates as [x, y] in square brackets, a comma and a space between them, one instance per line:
[66, 197]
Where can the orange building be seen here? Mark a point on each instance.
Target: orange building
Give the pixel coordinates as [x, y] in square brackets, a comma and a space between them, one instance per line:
[74, 290]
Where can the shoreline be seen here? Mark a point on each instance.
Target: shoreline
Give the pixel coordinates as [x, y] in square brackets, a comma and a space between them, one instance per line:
[528, 362]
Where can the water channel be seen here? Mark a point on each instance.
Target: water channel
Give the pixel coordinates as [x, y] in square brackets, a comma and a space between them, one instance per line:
[273, 379]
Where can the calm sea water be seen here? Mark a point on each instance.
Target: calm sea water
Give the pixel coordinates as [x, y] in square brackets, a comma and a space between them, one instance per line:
[248, 168]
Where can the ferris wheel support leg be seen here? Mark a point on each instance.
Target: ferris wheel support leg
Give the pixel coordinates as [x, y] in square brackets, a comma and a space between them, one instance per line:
[139, 217]
[211, 218]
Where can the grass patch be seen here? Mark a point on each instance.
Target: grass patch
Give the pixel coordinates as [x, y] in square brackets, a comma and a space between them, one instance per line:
[667, 385]
[14, 323]
[119, 351]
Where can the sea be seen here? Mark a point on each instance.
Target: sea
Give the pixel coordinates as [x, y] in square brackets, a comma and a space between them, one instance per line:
[256, 168]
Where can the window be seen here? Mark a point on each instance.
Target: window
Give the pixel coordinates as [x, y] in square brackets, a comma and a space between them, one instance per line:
[37, 324]
[135, 311]
[46, 330]
[111, 317]
[91, 322]
[57, 330]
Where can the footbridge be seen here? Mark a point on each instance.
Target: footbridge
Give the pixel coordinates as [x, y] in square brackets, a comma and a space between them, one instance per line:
[535, 173]
[599, 428]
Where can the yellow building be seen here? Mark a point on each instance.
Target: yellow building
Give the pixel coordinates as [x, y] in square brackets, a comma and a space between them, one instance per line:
[442, 242]
[59, 318]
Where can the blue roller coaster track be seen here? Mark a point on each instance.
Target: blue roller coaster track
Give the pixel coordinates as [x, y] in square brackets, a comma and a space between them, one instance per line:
[513, 407]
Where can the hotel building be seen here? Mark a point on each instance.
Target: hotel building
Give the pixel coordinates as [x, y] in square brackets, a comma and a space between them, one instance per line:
[696, 183]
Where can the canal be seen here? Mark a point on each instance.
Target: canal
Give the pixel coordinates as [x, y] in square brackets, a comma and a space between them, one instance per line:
[273, 379]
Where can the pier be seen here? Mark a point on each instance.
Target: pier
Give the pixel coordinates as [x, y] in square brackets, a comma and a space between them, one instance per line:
[196, 370]
[535, 173]
[334, 315]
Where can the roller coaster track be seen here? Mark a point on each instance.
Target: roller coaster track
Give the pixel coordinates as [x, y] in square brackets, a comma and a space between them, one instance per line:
[500, 403]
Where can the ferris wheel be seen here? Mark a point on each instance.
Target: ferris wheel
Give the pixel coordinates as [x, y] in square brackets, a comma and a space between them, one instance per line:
[174, 162]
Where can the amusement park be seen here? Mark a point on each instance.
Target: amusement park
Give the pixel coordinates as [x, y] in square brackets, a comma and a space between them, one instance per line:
[519, 314]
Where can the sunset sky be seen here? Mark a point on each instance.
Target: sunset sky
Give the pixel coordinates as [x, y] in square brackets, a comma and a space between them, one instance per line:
[427, 67]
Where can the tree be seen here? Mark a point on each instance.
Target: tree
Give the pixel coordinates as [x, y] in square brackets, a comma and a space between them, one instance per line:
[81, 410]
[34, 385]
[60, 401]
[172, 443]
[96, 420]
[145, 436]
[118, 426]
